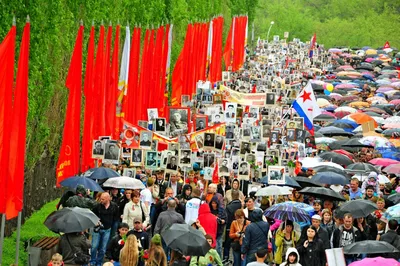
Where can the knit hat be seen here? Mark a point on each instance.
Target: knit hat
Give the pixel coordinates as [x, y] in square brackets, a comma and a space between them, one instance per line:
[373, 175]
[156, 239]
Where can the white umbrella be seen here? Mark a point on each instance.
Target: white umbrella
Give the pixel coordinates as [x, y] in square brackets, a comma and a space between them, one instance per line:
[346, 109]
[310, 162]
[324, 140]
[125, 182]
[383, 179]
[274, 191]
[330, 164]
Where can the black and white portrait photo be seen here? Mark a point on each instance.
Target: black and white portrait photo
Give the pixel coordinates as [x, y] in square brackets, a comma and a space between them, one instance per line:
[145, 139]
[151, 159]
[137, 157]
[270, 99]
[266, 132]
[160, 125]
[223, 167]
[230, 132]
[276, 175]
[185, 159]
[274, 136]
[219, 142]
[245, 147]
[201, 123]
[98, 149]
[152, 114]
[291, 124]
[255, 135]
[174, 148]
[154, 145]
[129, 172]
[172, 163]
[217, 118]
[244, 170]
[185, 100]
[300, 135]
[208, 171]
[291, 134]
[178, 120]
[111, 152]
[208, 159]
[299, 122]
[209, 140]
[226, 76]
[143, 124]
[126, 152]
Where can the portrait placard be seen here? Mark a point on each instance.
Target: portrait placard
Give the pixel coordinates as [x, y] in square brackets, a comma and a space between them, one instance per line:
[276, 175]
[129, 172]
[98, 149]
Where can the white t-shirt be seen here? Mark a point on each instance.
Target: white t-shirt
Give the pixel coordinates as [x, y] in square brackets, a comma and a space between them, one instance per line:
[192, 210]
[255, 263]
[146, 196]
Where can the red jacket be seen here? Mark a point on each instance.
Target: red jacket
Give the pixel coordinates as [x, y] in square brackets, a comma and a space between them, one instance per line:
[208, 221]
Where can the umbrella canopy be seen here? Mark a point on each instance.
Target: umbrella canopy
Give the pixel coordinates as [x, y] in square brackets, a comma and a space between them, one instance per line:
[330, 178]
[185, 239]
[377, 142]
[383, 161]
[328, 168]
[346, 109]
[71, 220]
[306, 182]
[395, 198]
[336, 158]
[309, 162]
[334, 131]
[100, 173]
[323, 193]
[325, 117]
[289, 182]
[288, 211]
[369, 247]
[361, 168]
[124, 182]
[346, 153]
[355, 143]
[392, 169]
[393, 212]
[375, 261]
[361, 118]
[324, 140]
[274, 191]
[358, 208]
[73, 182]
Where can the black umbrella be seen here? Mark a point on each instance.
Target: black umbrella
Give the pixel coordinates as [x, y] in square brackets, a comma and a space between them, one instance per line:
[336, 158]
[369, 247]
[330, 178]
[361, 168]
[337, 145]
[185, 239]
[71, 220]
[358, 208]
[324, 117]
[323, 193]
[74, 181]
[355, 144]
[328, 168]
[306, 182]
[395, 198]
[100, 173]
[334, 131]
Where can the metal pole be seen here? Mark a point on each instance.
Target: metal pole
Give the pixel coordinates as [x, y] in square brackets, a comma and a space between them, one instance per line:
[272, 23]
[18, 237]
[3, 225]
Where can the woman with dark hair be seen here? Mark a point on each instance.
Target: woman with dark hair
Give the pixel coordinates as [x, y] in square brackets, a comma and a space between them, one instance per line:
[311, 250]
[219, 212]
[236, 233]
[184, 197]
[223, 186]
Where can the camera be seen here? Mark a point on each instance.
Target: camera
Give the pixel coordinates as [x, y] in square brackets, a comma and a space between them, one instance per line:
[98, 227]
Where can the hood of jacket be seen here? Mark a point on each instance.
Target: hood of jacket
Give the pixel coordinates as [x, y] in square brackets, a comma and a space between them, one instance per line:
[204, 209]
[218, 210]
[292, 250]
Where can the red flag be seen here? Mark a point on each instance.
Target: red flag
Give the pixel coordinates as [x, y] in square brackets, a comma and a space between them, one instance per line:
[98, 92]
[107, 90]
[158, 60]
[112, 91]
[15, 186]
[177, 81]
[68, 162]
[88, 125]
[163, 74]
[215, 177]
[149, 76]
[216, 57]
[387, 45]
[7, 56]
[229, 47]
[139, 103]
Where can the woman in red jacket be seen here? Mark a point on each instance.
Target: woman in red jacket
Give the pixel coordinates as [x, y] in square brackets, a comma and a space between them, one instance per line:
[208, 221]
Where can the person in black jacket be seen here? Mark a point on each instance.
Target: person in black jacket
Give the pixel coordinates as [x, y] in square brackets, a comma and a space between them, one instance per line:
[141, 235]
[392, 238]
[218, 211]
[117, 243]
[311, 250]
[322, 232]
[231, 208]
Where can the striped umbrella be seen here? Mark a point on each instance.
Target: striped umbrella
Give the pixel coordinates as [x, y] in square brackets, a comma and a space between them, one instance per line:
[292, 211]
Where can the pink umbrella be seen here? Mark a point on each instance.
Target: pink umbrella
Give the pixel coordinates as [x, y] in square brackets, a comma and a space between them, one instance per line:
[384, 89]
[378, 261]
[383, 161]
[345, 86]
[392, 169]
[341, 114]
[328, 113]
[397, 101]
[369, 59]
[396, 84]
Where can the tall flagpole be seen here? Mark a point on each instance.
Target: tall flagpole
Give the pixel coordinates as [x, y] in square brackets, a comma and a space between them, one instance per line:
[3, 224]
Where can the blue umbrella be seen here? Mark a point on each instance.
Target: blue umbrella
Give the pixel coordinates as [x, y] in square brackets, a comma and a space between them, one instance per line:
[289, 181]
[100, 173]
[289, 210]
[391, 155]
[74, 181]
[345, 121]
[330, 178]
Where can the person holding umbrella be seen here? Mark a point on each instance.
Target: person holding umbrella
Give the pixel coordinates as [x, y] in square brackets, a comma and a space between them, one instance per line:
[211, 257]
[71, 244]
[311, 250]
[392, 238]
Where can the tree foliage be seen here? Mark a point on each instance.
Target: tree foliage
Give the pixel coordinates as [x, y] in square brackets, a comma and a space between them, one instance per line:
[336, 22]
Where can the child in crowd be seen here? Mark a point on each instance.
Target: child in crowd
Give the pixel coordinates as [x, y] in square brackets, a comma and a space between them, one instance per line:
[56, 260]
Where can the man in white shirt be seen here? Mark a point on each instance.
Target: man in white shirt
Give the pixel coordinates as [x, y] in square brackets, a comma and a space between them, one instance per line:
[192, 206]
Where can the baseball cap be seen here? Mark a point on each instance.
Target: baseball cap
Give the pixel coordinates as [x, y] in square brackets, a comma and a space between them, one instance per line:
[137, 219]
[316, 217]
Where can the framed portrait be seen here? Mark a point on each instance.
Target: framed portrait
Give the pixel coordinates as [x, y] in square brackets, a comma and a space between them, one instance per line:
[217, 98]
[274, 136]
[230, 112]
[235, 163]
[245, 147]
[244, 171]
[185, 100]
[137, 157]
[201, 122]
[164, 158]
[300, 135]
[209, 141]
[246, 131]
[111, 153]
[255, 134]
[126, 152]
[249, 157]
[291, 134]
[299, 122]
[151, 159]
[186, 158]
[208, 159]
[261, 146]
[208, 171]
[154, 145]
[152, 113]
[291, 124]
[217, 118]
[129, 172]
[98, 149]
[276, 175]
[219, 142]
[143, 124]
[178, 118]
[172, 163]
[105, 138]
[266, 131]
[174, 148]
[270, 98]
[160, 125]
[223, 167]
[167, 176]
[230, 132]
[226, 76]
[145, 139]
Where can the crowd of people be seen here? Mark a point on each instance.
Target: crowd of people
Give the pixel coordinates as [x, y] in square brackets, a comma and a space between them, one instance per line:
[225, 207]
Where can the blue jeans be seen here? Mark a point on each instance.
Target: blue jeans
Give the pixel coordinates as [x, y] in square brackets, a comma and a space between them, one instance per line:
[227, 244]
[99, 246]
[219, 245]
[237, 260]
